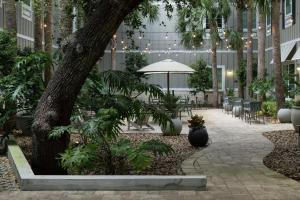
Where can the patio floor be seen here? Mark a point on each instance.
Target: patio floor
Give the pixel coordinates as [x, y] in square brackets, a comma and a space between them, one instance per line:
[232, 162]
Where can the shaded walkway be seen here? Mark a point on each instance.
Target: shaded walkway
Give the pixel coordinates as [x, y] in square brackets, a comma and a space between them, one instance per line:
[234, 160]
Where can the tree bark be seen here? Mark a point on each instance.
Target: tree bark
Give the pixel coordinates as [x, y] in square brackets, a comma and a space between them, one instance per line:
[38, 25]
[249, 49]
[279, 85]
[55, 106]
[48, 38]
[214, 67]
[239, 29]
[10, 13]
[261, 40]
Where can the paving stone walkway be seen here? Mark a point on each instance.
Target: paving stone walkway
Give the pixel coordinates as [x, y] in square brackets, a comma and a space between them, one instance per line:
[233, 164]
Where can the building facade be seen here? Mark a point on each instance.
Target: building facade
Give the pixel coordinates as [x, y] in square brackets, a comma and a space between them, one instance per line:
[160, 41]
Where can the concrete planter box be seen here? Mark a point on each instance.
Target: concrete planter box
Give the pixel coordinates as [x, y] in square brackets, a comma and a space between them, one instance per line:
[30, 182]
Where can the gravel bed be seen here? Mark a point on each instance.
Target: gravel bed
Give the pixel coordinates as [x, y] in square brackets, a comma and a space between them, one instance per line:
[285, 158]
[7, 177]
[165, 165]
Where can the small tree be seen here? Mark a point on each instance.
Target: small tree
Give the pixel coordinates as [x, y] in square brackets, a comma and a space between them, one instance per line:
[200, 81]
[134, 62]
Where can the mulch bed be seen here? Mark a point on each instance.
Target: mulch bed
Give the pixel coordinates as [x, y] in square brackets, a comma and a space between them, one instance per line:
[165, 165]
[285, 158]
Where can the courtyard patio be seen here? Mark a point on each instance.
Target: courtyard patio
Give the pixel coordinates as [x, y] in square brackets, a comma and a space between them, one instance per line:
[233, 163]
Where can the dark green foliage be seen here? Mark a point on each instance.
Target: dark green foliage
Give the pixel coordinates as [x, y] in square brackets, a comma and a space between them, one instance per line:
[297, 103]
[22, 88]
[196, 122]
[262, 87]
[112, 96]
[229, 92]
[234, 39]
[269, 108]
[288, 104]
[170, 104]
[200, 81]
[242, 73]
[134, 62]
[8, 52]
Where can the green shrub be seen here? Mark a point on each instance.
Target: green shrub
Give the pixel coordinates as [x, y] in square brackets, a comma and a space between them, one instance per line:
[269, 108]
[196, 122]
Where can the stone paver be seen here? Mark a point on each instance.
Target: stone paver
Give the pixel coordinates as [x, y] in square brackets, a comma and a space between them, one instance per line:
[232, 163]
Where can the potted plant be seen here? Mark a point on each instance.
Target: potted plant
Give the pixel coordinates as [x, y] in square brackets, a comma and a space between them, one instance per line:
[284, 114]
[295, 115]
[198, 136]
[171, 106]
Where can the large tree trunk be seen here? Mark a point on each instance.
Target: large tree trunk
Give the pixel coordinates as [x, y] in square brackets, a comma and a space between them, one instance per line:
[214, 67]
[249, 49]
[38, 25]
[279, 85]
[48, 38]
[10, 13]
[239, 29]
[261, 40]
[56, 104]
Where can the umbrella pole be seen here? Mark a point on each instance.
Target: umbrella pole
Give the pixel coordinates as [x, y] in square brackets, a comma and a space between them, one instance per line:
[168, 82]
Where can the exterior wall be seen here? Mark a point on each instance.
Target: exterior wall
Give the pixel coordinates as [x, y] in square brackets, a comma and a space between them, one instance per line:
[159, 50]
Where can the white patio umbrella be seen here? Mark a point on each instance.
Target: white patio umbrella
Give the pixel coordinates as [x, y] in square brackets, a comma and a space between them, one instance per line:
[168, 67]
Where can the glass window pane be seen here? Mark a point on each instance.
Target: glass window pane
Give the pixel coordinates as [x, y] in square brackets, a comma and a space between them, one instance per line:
[288, 6]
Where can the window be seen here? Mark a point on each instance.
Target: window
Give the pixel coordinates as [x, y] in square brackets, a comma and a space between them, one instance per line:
[1, 2]
[290, 79]
[27, 12]
[245, 21]
[220, 77]
[220, 22]
[289, 13]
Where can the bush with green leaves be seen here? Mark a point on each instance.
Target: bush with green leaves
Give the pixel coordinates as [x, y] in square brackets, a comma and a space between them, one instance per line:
[269, 108]
[8, 52]
[200, 80]
[100, 136]
[22, 88]
[114, 99]
[262, 87]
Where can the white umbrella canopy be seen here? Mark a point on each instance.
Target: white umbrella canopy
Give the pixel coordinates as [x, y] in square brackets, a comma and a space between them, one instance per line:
[168, 67]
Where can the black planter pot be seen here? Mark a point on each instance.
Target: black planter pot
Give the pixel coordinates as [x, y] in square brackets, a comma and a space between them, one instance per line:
[198, 137]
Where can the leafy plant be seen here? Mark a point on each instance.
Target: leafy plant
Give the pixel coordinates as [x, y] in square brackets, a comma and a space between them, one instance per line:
[114, 97]
[134, 62]
[8, 53]
[297, 103]
[241, 73]
[200, 81]
[261, 87]
[196, 122]
[229, 92]
[269, 108]
[171, 105]
[22, 88]
[288, 104]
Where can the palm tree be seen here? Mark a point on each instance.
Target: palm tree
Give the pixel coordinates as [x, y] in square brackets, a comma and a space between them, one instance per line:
[10, 13]
[38, 25]
[48, 37]
[190, 25]
[240, 6]
[249, 47]
[263, 9]
[66, 19]
[279, 84]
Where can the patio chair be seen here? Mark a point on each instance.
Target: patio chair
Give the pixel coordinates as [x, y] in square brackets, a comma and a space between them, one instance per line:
[185, 107]
[251, 110]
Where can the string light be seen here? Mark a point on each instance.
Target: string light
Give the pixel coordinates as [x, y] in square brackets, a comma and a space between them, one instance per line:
[45, 25]
[166, 36]
[115, 36]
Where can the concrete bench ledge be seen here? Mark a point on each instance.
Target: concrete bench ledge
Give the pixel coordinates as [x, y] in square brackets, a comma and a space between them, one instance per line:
[30, 182]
